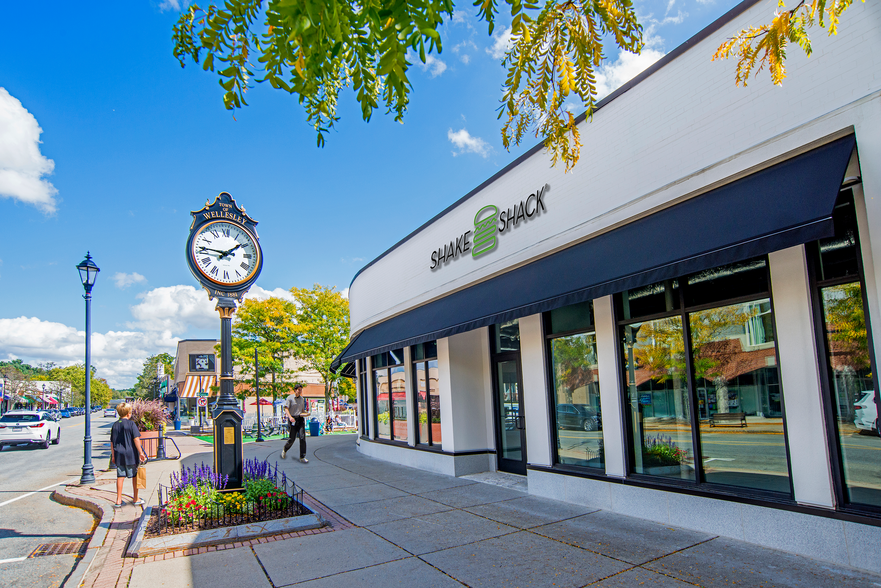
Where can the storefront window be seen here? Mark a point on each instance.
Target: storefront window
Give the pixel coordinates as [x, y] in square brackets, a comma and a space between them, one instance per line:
[362, 384]
[578, 414]
[658, 398]
[390, 390]
[709, 367]
[735, 368]
[851, 391]
[425, 375]
[506, 337]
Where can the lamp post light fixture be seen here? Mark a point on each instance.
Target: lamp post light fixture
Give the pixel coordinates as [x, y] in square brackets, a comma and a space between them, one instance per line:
[88, 273]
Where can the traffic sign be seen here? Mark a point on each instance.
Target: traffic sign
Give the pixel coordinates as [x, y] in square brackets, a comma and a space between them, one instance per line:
[203, 394]
[202, 401]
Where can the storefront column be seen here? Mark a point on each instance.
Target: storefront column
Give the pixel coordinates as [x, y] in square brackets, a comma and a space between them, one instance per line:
[796, 345]
[371, 405]
[535, 394]
[412, 416]
[610, 386]
[867, 198]
[465, 391]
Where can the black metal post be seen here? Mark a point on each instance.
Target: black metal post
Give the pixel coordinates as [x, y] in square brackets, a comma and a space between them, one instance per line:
[257, 387]
[160, 450]
[227, 415]
[88, 476]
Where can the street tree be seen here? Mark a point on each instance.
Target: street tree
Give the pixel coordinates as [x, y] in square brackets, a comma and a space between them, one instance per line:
[269, 327]
[322, 331]
[75, 377]
[147, 385]
[766, 45]
[314, 50]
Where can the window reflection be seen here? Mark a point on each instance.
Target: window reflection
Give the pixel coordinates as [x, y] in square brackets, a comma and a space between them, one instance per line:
[739, 396]
[577, 400]
[854, 399]
[425, 374]
[658, 398]
[391, 395]
[380, 385]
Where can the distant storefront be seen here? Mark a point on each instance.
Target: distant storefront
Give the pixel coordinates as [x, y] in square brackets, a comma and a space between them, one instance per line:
[682, 329]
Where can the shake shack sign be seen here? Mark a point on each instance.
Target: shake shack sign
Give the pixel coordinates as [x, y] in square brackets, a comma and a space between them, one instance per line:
[489, 224]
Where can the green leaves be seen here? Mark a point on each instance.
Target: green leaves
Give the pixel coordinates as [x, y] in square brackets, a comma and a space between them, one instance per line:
[553, 57]
[758, 47]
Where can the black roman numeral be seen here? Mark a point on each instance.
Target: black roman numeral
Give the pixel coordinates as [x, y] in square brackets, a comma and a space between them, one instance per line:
[225, 232]
[247, 256]
[206, 261]
[244, 266]
[214, 271]
[225, 277]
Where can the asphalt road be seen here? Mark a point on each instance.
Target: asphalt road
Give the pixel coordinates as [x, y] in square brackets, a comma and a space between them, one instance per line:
[30, 520]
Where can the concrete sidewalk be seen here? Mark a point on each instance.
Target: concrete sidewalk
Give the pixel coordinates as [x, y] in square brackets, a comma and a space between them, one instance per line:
[406, 527]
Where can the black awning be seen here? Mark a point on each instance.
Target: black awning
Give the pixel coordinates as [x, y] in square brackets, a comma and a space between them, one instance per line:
[348, 371]
[784, 205]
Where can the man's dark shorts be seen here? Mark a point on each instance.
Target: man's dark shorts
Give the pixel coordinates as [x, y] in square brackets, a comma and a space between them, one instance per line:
[126, 471]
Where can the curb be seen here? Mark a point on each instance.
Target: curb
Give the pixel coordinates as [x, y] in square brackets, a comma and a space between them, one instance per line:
[141, 547]
[104, 516]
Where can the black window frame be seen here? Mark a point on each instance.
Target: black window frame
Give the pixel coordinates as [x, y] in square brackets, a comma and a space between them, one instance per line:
[682, 310]
[812, 253]
[387, 368]
[549, 336]
[415, 395]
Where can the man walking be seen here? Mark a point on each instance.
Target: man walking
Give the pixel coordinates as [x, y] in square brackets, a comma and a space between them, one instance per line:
[295, 408]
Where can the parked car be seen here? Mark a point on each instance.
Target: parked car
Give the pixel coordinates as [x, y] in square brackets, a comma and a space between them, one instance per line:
[866, 412]
[110, 412]
[29, 426]
[578, 416]
[55, 414]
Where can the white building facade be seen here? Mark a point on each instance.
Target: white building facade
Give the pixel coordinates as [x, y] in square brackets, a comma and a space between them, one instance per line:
[681, 329]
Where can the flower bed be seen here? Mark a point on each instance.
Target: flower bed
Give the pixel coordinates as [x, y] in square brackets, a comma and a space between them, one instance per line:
[197, 500]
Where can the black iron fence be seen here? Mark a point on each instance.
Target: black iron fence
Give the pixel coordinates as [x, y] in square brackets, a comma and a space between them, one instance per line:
[191, 508]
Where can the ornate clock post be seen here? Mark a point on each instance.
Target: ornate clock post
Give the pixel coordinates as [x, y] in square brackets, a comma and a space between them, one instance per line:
[224, 254]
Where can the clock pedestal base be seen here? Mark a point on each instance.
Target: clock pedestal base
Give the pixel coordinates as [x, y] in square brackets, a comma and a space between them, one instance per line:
[228, 446]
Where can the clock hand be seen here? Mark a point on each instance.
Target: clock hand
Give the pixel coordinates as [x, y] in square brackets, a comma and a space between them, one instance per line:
[226, 253]
[209, 249]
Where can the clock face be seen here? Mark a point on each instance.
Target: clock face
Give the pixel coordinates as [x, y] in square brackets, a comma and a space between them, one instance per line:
[225, 253]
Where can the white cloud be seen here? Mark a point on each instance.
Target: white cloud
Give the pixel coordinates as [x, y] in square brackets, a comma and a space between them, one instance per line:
[118, 355]
[468, 144]
[22, 166]
[433, 65]
[173, 5]
[625, 68]
[124, 280]
[466, 59]
[501, 44]
[174, 308]
[345, 293]
[258, 293]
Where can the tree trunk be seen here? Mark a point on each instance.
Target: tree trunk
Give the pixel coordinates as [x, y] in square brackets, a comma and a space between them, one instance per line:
[721, 395]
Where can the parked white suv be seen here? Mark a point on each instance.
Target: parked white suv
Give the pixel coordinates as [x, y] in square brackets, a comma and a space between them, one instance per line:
[29, 426]
[866, 412]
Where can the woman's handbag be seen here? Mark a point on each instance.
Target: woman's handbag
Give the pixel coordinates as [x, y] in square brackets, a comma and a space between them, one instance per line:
[142, 478]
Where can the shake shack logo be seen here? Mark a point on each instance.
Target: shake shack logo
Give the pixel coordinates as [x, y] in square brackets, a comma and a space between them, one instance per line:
[488, 225]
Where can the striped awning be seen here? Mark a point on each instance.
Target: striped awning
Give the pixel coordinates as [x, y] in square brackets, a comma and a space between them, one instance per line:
[194, 384]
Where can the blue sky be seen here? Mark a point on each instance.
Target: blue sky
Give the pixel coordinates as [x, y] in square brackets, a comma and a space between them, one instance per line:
[106, 144]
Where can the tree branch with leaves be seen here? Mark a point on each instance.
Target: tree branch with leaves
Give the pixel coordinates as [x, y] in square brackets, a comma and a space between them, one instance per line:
[766, 45]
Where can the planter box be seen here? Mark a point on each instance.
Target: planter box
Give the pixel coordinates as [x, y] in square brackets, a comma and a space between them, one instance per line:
[150, 443]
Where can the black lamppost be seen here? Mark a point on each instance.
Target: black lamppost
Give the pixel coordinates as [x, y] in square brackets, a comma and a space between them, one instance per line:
[88, 272]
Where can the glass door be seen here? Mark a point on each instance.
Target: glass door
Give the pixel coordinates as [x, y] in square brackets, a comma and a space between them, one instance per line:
[508, 399]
